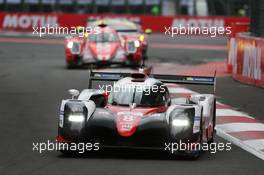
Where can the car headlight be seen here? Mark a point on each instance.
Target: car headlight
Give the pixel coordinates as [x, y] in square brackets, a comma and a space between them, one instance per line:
[137, 43]
[70, 44]
[141, 38]
[76, 118]
[180, 122]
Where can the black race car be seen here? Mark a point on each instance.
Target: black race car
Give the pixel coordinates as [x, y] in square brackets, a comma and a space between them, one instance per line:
[138, 113]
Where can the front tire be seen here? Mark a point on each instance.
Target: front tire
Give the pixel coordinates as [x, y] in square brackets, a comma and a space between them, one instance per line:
[197, 153]
[70, 66]
[211, 140]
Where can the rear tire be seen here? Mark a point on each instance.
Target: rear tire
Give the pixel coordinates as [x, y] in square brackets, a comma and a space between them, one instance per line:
[66, 152]
[69, 66]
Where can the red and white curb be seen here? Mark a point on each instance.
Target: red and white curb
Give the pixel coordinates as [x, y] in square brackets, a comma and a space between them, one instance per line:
[234, 126]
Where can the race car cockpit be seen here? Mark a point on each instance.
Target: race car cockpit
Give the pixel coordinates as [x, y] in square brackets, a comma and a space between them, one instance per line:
[103, 37]
[141, 95]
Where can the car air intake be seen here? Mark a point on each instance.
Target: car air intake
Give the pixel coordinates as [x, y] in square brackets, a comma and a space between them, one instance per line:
[138, 77]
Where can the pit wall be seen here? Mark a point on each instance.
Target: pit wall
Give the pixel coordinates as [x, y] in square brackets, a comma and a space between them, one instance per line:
[25, 21]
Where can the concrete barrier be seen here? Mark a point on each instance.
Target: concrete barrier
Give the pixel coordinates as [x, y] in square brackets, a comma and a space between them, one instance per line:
[246, 57]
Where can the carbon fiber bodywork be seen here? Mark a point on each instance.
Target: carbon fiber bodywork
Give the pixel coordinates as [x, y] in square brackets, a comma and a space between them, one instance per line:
[153, 130]
[138, 120]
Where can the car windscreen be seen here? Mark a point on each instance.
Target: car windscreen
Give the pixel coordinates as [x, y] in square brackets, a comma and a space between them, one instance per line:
[103, 37]
[119, 25]
[144, 96]
[125, 28]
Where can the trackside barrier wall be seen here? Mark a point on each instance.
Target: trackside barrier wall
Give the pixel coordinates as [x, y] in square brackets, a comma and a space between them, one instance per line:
[237, 27]
[248, 59]
[25, 21]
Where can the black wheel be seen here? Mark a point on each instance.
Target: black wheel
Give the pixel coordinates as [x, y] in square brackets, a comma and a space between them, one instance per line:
[201, 127]
[197, 153]
[69, 66]
[77, 63]
[211, 140]
[66, 152]
[145, 57]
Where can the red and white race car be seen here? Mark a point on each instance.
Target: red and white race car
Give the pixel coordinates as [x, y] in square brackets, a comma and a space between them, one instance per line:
[139, 113]
[131, 34]
[101, 47]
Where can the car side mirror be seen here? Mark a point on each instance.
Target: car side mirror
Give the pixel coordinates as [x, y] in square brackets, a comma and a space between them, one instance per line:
[73, 93]
[148, 31]
[100, 100]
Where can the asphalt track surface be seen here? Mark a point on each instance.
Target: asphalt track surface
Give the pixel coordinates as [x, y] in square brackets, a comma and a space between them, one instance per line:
[33, 80]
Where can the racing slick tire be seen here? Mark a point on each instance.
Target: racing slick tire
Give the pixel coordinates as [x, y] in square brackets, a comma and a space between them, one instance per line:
[211, 140]
[145, 57]
[195, 155]
[66, 152]
[77, 63]
[70, 66]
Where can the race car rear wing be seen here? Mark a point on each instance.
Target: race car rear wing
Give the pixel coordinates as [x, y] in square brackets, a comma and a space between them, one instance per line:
[177, 79]
[105, 76]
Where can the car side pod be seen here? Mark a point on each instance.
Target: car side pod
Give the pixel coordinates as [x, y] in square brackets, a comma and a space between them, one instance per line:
[184, 125]
[74, 119]
[185, 129]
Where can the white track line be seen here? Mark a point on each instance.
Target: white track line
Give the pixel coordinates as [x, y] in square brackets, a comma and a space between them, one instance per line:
[230, 112]
[253, 146]
[258, 144]
[238, 127]
[240, 143]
